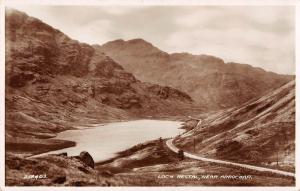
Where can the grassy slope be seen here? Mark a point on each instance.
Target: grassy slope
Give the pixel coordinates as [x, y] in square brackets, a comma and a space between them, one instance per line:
[253, 133]
[140, 165]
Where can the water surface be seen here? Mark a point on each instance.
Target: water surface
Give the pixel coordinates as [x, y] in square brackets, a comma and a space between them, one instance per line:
[104, 141]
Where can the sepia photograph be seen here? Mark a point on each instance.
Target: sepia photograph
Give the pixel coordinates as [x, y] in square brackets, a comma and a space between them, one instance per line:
[149, 95]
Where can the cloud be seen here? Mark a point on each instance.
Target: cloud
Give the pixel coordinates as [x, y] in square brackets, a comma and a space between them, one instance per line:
[262, 36]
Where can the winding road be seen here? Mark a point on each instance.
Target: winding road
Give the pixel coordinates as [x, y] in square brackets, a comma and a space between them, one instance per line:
[173, 148]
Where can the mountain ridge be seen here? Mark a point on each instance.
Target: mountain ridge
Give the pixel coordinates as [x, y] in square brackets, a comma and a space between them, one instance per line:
[208, 79]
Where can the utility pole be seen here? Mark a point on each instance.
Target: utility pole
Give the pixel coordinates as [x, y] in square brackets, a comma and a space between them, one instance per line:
[277, 152]
[93, 89]
[64, 115]
[277, 158]
[30, 46]
[194, 144]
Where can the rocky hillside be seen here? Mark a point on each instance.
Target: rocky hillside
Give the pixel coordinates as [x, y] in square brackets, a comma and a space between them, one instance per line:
[207, 79]
[54, 82]
[259, 132]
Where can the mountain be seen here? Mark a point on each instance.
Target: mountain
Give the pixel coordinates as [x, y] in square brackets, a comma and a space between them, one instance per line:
[208, 80]
[54, 83]
[259, 132]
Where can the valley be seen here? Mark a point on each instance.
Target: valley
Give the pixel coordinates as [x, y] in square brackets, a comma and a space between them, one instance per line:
[102, 115]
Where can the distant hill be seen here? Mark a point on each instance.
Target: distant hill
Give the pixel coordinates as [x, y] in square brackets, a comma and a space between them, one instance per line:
[211, 82]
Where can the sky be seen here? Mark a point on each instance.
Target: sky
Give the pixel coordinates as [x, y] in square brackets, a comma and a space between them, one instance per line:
[262, 36]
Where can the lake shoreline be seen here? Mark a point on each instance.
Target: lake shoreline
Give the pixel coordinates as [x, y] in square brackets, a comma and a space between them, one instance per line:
[65, 143]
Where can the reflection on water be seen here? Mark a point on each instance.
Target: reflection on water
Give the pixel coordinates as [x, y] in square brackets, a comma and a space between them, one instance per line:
[103, 142]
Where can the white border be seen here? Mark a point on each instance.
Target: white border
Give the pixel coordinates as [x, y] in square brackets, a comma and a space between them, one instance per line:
[2, 95]
[4, 3]
[154, 2]
[297, 61]
[150, 188]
